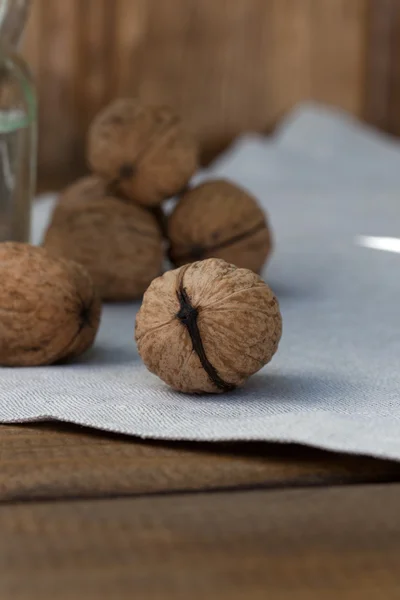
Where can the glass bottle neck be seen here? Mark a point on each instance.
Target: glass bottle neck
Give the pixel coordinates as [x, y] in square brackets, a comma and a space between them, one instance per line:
[13, 16]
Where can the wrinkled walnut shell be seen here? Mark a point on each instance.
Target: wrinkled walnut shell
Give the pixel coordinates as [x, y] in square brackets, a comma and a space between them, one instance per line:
[119, 243]
[144, 150]
[219, 219]
[207, 326]
[49, 310]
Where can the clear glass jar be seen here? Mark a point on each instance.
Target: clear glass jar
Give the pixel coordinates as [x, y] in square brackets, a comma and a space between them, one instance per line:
[17, 126]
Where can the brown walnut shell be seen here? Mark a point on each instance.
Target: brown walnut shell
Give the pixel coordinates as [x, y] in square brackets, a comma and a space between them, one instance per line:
[144, 150]
[49, 310]
[219, 219]
[84, 189]
[119, 243]
[207, 326]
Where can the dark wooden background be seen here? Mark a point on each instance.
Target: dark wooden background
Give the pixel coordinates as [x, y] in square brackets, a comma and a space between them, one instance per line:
[226, 65]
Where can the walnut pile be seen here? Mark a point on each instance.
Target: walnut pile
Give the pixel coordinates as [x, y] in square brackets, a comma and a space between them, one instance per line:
[49, 310]
[208, 326]
[218, 219]
[119, 243]
[144, 150]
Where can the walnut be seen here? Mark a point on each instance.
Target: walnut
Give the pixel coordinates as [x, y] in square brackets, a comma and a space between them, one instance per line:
[49, 310]
[145, 150]
[84, 189]
[119, 243]
[219, 219]
[207, 326]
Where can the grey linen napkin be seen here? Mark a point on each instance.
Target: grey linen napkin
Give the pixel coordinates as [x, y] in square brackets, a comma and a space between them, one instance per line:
[331, 188]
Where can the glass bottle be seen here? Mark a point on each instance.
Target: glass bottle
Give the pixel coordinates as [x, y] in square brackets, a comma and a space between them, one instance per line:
[17, 126]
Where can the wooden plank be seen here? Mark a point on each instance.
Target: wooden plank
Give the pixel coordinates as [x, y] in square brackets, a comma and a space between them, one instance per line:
[319, 544]
[95, 39]
[59, 139]
[290, 34]
[52, 462]
[379, 45]
[130, 47]
[393, 124]
[338, 52]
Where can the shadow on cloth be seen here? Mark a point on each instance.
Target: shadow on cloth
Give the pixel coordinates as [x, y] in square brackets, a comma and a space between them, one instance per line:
[286, 391]
[106, 355]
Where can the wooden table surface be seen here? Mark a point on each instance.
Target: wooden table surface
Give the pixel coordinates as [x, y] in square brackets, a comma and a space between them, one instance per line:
[96, 516]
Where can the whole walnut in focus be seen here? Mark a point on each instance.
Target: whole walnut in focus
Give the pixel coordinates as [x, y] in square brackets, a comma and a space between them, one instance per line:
[119, 243]
[219, 219]
[207, 326]
[144, 150]
[49, 310]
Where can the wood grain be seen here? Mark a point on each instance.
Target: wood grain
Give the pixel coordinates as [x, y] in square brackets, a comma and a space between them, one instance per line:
[380, 32]
[393, 121]
[315, 544]
[227, 67]
[338, 53]
[50, 462]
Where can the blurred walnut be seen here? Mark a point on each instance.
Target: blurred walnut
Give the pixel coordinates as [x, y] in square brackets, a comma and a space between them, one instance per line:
[207, 326]
[119, 243]
[82, 190]
[49, 310]
[218, 219]
[144, 150]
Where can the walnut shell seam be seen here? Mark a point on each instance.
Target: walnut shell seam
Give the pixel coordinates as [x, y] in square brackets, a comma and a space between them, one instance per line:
[199, 252]
[187, 315]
